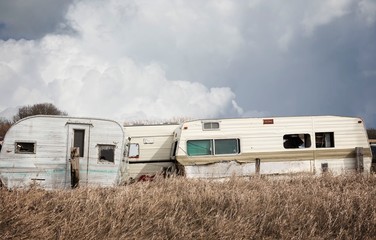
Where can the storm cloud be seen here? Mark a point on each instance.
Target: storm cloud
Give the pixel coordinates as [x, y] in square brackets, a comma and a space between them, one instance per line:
[200, 59]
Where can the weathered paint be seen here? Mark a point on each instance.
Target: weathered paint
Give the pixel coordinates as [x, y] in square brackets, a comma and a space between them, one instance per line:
[49, 166]
[263, 140]
[155, 143]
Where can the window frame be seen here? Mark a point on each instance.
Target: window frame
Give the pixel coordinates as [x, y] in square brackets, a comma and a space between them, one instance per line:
[131, 149]
[211, 128]
[17, 143]
[110, 147]
[77, 143]
[237, 141]
[331, 139]
[211, 147]
[212, 144]
[290, 141]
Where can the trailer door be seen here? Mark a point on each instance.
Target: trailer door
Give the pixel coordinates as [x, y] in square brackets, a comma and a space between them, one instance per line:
[78, 137]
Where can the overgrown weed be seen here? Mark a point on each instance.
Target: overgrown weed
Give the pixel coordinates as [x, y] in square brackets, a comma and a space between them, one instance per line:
[327, 207]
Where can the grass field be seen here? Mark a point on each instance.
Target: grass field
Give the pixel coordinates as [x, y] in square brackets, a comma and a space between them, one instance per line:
[327, 207]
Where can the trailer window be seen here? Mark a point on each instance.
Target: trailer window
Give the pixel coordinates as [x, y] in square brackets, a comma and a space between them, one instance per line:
[210, 126]
[134, 150]
[25, 147]
[325, 139]
[199, 147]
[79, 140]
[297, 141]
[227, 146]
[106, 153]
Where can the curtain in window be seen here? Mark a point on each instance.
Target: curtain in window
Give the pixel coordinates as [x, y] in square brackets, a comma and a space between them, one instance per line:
[226, 146]
[199, 147]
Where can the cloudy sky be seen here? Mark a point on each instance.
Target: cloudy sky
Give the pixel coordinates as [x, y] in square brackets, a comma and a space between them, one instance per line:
[160, 59]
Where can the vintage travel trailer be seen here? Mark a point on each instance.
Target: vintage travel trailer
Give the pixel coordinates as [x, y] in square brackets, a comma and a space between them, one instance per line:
[64, 152]
[148, 150]
[281, 145]
[61, 152]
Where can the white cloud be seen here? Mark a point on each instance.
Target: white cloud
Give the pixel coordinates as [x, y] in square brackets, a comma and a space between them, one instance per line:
[285, 40]
[323, 12]
[166, 58]
[367, 9]
[89, 73]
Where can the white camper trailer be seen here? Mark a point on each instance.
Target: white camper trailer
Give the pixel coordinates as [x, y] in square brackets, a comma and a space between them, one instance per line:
[281, 145]
[38, 149]
[148, 150]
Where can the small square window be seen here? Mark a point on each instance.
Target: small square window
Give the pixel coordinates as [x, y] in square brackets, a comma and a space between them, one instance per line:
[324, 140]
[25, 147]
[106, 153]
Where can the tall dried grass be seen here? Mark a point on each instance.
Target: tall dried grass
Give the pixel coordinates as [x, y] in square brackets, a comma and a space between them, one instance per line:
[328, 207]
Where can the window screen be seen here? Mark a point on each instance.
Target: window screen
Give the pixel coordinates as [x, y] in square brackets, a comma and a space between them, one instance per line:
[199, 147]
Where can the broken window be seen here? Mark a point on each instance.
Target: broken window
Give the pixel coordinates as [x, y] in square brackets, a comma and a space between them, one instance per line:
[210, 126]
[25, 147]
[106, 153]
[134, 150]
[296, 141]
[325, 139]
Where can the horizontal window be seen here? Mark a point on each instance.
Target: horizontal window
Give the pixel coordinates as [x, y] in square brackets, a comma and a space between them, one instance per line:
[199, 147]
[213, 147]
[25, 147]
[226, 146]
[297, 141]
[210, 126]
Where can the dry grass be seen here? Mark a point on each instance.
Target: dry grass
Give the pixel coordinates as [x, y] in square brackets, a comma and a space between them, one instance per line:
[290, 208]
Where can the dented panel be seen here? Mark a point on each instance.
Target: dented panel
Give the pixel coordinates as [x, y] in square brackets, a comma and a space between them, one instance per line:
[49, 165]
[328, 140]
